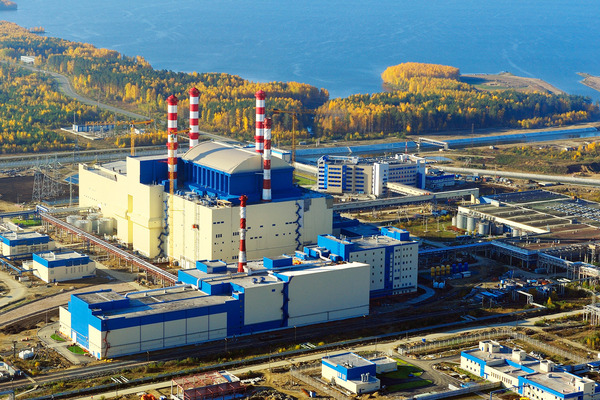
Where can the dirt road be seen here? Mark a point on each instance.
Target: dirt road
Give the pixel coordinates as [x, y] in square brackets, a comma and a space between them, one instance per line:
[16, 290]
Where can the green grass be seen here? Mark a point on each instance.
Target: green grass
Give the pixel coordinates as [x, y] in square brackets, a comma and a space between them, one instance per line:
[303, 180]
[408, 385]
[76, 349]
[57, 337]
[403, 372]
[27, 222]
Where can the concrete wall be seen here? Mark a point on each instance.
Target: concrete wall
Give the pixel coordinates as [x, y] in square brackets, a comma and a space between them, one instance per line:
[334, 294]
[60, 274]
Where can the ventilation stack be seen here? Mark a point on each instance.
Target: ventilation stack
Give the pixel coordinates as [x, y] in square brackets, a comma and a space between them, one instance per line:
[242, 256]
[194, 132]
[172, 139]
[267, 162]
[259, 138]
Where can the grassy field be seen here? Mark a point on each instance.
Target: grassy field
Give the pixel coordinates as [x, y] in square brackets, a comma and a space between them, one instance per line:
[57, 338]
[407, 376]
[304, 179]
[76, 349]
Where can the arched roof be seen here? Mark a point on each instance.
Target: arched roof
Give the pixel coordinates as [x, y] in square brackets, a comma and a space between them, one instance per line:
[229, 159]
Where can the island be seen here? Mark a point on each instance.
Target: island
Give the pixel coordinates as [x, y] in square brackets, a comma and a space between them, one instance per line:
[7, 5]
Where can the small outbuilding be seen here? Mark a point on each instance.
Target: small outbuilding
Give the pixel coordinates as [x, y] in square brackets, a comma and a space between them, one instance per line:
[209, 385]
[58, 266]
[25, 242]
[350, 371]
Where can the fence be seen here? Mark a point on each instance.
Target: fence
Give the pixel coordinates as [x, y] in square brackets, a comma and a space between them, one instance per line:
[452, 342]
[298, 373]
[458, 392]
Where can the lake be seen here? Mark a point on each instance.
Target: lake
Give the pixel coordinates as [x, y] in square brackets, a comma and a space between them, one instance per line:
[340, 45]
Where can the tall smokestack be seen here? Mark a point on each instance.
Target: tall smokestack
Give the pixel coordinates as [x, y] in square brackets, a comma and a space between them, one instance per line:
[194, 132]
[260, 118]
[242, 257]
[172, 138]
[267, 162]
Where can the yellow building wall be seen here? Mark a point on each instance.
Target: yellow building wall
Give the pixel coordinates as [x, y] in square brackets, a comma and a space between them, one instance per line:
[271, 229]
[138, 210]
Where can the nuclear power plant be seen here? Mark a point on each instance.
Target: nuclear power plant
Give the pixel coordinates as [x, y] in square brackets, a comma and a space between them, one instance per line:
[199, 219]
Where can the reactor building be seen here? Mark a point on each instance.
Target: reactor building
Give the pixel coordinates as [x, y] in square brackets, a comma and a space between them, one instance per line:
[200, 219]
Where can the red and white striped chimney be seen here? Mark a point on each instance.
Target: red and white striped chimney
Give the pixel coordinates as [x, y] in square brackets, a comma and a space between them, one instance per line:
[194, 132]
[242, 256]
[172, 138]
[267, 162]
[260, 121]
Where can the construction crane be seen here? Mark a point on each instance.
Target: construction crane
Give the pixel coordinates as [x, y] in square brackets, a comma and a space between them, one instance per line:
[294, 114]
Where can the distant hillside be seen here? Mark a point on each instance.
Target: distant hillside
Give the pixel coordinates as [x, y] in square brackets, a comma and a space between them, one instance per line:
[7, 5]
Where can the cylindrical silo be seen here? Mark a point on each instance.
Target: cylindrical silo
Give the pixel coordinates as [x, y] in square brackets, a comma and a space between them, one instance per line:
[438, 270]
[84, 224]
[71, 219]
[461, 221]
[454, 219]
[471, 223]
[515, 232]
[432, 272]
[105, 226]
[484, 227]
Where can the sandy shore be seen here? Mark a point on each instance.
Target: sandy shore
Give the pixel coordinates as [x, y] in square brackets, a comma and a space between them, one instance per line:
[507, 80]
[590, 80]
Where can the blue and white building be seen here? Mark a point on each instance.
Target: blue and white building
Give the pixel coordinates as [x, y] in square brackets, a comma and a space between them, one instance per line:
[350, 371]
[60, 266]
[24, 243]
[340, 174]
[528, 376]
[392, 255]
[215, 302]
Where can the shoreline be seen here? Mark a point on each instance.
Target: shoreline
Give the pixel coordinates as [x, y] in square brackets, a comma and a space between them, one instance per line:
[506, 81]
[590, 81]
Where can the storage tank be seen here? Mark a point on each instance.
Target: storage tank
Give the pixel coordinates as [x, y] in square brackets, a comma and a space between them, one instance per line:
[84, 225]
[484, 227]
[466, 266]
[515, 232]
[498, 229]
[471, 223]
[94, 216]
[454, 220]
[438, 270]
[453, 268]
[448, 269]
[461, 221]
[71, 219]
[105, 226]
[432, 272]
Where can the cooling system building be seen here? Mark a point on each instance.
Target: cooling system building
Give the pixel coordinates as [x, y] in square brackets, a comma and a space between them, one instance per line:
[214, 302]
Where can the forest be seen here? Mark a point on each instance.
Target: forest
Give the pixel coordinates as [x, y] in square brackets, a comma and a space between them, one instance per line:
[32, 110]
[421, 98]
[429, 98]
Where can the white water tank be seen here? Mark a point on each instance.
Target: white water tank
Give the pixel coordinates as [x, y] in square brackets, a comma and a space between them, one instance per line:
[105, 226]
[484, 227]
[71, 219]
[471, 223]
[461, 221]
[84, 225]
[454, 220]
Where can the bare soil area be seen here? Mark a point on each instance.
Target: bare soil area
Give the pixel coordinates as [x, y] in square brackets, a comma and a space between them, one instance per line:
[506, 80]
[590, 81]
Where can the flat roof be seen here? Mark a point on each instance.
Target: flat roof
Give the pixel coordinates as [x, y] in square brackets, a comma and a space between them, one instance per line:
[160, 301]
[348, 360]
[369, 242]
[22, 235]
[59, 255]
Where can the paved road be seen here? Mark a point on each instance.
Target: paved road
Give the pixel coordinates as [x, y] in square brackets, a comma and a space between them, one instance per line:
[16, 290]
[65, 87]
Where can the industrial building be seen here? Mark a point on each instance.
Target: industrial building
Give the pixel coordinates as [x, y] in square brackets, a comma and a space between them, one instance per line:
[214, 302]
[60, 266]
[340, 174]
[199, 219]
[392, 255]
[350, 371]
[530, 377]
[14, 243]
[209, 385]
